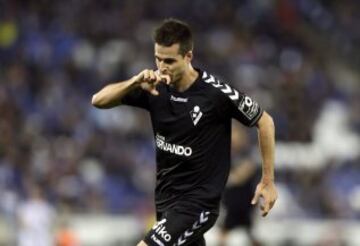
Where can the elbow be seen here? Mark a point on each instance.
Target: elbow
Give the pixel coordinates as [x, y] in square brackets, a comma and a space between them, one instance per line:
[96, 102]
[102, 102]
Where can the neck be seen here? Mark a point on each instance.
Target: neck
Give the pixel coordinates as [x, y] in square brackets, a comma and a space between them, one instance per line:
[187, 80]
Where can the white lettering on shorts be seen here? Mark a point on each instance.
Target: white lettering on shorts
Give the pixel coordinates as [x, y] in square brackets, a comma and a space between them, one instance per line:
[160, 230]
[156, 240]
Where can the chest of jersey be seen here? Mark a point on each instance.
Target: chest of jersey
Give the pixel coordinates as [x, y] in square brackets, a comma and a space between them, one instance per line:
[179, 116]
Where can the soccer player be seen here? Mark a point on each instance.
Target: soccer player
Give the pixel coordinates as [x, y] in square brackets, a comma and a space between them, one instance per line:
[191, 114]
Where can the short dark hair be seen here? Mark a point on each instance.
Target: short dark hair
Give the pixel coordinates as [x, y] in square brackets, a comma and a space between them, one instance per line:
[173, 31]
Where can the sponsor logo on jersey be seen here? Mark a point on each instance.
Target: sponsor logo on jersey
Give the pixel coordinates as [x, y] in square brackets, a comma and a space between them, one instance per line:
[178, 99]
[196, 115]
[160, 229]
[172, 148]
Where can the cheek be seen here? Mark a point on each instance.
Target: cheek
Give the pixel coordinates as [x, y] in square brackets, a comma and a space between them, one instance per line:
[178, 74]
[179, 69]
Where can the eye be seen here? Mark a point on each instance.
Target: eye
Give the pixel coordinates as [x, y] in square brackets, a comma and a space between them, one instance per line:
[169, 61]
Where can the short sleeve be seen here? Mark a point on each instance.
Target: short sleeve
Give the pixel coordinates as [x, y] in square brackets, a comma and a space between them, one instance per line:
[232, 103]
[137, 97]
[246, 110]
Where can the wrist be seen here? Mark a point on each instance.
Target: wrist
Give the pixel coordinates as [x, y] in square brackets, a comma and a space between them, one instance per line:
[135, 81]
[267, 180]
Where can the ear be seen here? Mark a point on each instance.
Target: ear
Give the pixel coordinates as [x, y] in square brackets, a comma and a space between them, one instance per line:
[189, 56]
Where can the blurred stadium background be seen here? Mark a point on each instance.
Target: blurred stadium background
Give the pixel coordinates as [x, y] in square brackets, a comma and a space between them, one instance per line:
[94, 170]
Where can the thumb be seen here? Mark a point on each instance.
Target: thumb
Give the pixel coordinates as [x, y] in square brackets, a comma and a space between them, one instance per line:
[255, 198]
[139, 78]
[165, 79]
[154, 92]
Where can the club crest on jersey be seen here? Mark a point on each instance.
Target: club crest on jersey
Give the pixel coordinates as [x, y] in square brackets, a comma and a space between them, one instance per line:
[196, 115]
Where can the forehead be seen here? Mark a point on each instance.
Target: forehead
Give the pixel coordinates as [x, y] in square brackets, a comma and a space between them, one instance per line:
[167, 51]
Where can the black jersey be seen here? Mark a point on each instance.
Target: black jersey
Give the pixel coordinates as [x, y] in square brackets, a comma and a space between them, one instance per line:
[192, 131]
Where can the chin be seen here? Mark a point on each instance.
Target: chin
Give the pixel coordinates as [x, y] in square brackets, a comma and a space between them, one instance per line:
[174, 81]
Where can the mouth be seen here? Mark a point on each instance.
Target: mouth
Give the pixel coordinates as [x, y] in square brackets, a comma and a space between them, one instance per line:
[166, 77]
[166, 80]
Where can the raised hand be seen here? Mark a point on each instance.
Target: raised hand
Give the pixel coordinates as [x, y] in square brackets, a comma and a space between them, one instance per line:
[148, 79]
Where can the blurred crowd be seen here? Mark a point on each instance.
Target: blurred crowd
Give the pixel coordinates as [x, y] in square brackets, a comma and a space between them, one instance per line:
[293, 56]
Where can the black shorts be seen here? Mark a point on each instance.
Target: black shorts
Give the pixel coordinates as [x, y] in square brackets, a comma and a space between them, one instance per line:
[238, 208]
[174, 228]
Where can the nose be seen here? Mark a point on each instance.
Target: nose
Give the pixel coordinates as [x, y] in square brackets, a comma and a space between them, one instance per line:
[163, 68]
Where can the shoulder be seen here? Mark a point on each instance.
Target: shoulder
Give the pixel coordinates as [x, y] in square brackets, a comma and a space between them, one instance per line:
[219, 88]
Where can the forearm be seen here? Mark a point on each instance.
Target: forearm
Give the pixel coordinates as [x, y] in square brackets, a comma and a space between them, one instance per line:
[112, 94]
[266, 135]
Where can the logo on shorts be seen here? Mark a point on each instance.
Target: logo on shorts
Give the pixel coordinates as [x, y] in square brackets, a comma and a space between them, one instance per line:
[160, 229]
[156, 240]
[196, 115]
[203, 218]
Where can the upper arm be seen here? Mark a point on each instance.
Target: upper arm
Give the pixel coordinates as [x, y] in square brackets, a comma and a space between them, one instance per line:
[241, 107]
[138, 98]
[265, 121]
[231, 103]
